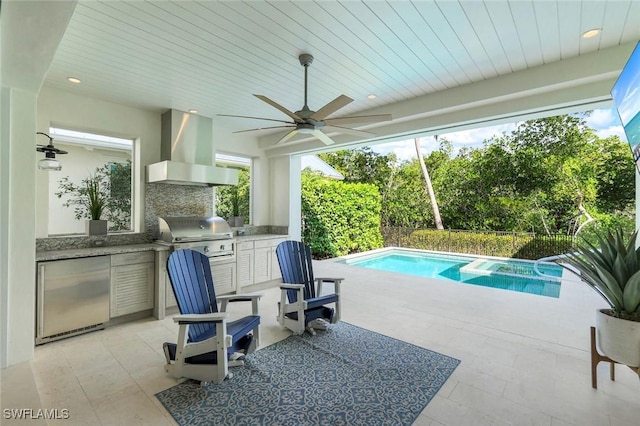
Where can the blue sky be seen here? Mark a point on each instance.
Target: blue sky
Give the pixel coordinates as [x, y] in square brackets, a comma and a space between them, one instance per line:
[605, 121]
[625, 91]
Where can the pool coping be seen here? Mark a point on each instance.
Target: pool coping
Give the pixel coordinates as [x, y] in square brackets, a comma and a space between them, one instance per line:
[364, 254]
[404, 250]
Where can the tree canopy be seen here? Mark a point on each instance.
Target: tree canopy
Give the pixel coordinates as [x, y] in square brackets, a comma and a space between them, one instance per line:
[549, 175]
[233, 200]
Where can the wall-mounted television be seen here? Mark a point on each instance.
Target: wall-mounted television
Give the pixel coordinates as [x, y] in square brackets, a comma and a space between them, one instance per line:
[626, 97]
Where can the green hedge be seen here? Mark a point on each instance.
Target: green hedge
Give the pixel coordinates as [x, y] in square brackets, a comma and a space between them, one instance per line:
[516, 245]
[339, 218]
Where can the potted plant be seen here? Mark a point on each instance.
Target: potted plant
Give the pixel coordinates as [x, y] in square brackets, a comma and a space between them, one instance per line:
[235, 220]
[89, 199]
[613, 270]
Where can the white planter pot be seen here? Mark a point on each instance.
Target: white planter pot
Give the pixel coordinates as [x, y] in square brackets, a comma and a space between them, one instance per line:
[96, 227]
[236, 221]
[618, 339]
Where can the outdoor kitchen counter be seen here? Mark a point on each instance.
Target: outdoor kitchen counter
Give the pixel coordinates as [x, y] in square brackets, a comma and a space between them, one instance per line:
[44, 255]
[256, 237]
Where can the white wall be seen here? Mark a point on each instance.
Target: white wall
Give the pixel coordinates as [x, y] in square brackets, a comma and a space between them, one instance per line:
[246, 144]
[67, 110]
[78, 164]
[57, 108]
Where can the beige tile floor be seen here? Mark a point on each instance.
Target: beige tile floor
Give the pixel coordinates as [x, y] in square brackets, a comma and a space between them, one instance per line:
[525, 358]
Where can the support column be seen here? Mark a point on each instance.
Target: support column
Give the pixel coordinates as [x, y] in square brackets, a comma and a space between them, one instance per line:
[295, 198]
[17, 221]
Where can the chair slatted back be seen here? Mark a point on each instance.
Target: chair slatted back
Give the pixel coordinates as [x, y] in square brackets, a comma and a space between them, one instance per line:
[192, 283]
[294, 259]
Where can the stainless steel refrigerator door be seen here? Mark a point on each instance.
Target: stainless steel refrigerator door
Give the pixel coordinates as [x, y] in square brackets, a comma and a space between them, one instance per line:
[72, 294]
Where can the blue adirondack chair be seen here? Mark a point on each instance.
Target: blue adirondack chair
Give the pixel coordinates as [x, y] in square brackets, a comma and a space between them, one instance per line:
[208, 344]
[301, 300]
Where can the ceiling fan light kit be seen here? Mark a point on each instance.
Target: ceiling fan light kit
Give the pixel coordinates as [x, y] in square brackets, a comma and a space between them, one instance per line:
[309, 122]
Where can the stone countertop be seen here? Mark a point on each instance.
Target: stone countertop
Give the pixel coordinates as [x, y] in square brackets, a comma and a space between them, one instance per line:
[45, 255]
[255, 237]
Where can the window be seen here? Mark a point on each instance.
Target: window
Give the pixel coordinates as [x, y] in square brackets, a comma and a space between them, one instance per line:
[105, 159]
[235, 201]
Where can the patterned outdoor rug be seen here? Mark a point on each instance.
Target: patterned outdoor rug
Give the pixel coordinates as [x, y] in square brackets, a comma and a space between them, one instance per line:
[343, 376]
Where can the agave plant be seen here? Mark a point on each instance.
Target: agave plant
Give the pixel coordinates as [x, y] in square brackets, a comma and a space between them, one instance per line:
[613, 270]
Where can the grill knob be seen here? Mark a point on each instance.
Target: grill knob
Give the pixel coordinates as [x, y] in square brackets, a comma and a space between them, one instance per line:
[206, 249]
[222, 247]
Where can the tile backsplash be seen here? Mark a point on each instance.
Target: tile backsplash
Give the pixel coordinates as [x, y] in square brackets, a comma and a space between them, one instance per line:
[165, 200]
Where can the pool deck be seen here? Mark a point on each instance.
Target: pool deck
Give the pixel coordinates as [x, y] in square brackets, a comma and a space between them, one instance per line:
[525, 358]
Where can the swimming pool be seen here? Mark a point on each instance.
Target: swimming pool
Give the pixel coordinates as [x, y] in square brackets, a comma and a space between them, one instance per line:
[506, 274]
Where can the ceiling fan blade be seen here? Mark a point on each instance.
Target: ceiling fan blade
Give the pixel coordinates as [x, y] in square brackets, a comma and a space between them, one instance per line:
[324, 138]
[278, 106]
[287, 136]
[331, 107]
[264, 128]
[358, 119]
[349, 131]
[255, 118]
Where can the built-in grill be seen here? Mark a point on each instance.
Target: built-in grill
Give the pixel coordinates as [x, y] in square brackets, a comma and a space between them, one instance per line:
[211, 236]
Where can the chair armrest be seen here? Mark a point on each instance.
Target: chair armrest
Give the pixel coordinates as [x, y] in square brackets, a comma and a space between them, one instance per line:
[284, 307]
[248, 297]
[200, 318]
[291, 286]
[336, 284]
[329, 280]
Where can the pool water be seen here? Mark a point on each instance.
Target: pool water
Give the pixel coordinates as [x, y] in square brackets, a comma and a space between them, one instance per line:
[514, 275]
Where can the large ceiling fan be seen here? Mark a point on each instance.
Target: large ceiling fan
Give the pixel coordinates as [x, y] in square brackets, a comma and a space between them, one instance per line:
[309, 122]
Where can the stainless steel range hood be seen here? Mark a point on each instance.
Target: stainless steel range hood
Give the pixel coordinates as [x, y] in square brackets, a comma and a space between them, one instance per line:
[186, 150]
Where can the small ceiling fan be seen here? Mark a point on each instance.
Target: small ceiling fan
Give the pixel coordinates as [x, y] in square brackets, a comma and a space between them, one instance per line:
[309, 122]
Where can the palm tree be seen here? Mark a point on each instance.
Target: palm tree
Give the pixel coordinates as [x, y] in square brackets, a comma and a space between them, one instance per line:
[427, 179]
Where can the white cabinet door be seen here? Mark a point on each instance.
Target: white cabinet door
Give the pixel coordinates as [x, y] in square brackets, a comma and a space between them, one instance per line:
[245, 267]
[262, 262]
[275, 266]
[132, 283]
[224, 277]
[170, 299]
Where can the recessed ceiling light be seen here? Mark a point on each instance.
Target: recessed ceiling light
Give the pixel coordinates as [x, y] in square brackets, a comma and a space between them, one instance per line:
[73, 80]
[371, 96]
[193, 111]
[591, 33]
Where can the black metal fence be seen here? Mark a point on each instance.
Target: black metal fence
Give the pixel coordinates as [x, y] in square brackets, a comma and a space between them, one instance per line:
[521, 245]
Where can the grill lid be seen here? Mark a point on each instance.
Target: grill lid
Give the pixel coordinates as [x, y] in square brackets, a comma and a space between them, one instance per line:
[193, 228]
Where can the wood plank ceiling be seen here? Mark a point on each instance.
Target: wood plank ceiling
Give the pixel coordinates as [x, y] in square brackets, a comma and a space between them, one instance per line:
[212, 56]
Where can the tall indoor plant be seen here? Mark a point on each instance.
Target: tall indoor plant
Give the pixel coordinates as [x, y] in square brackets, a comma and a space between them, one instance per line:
[612, 268]
[235, 219]
[89, 199]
